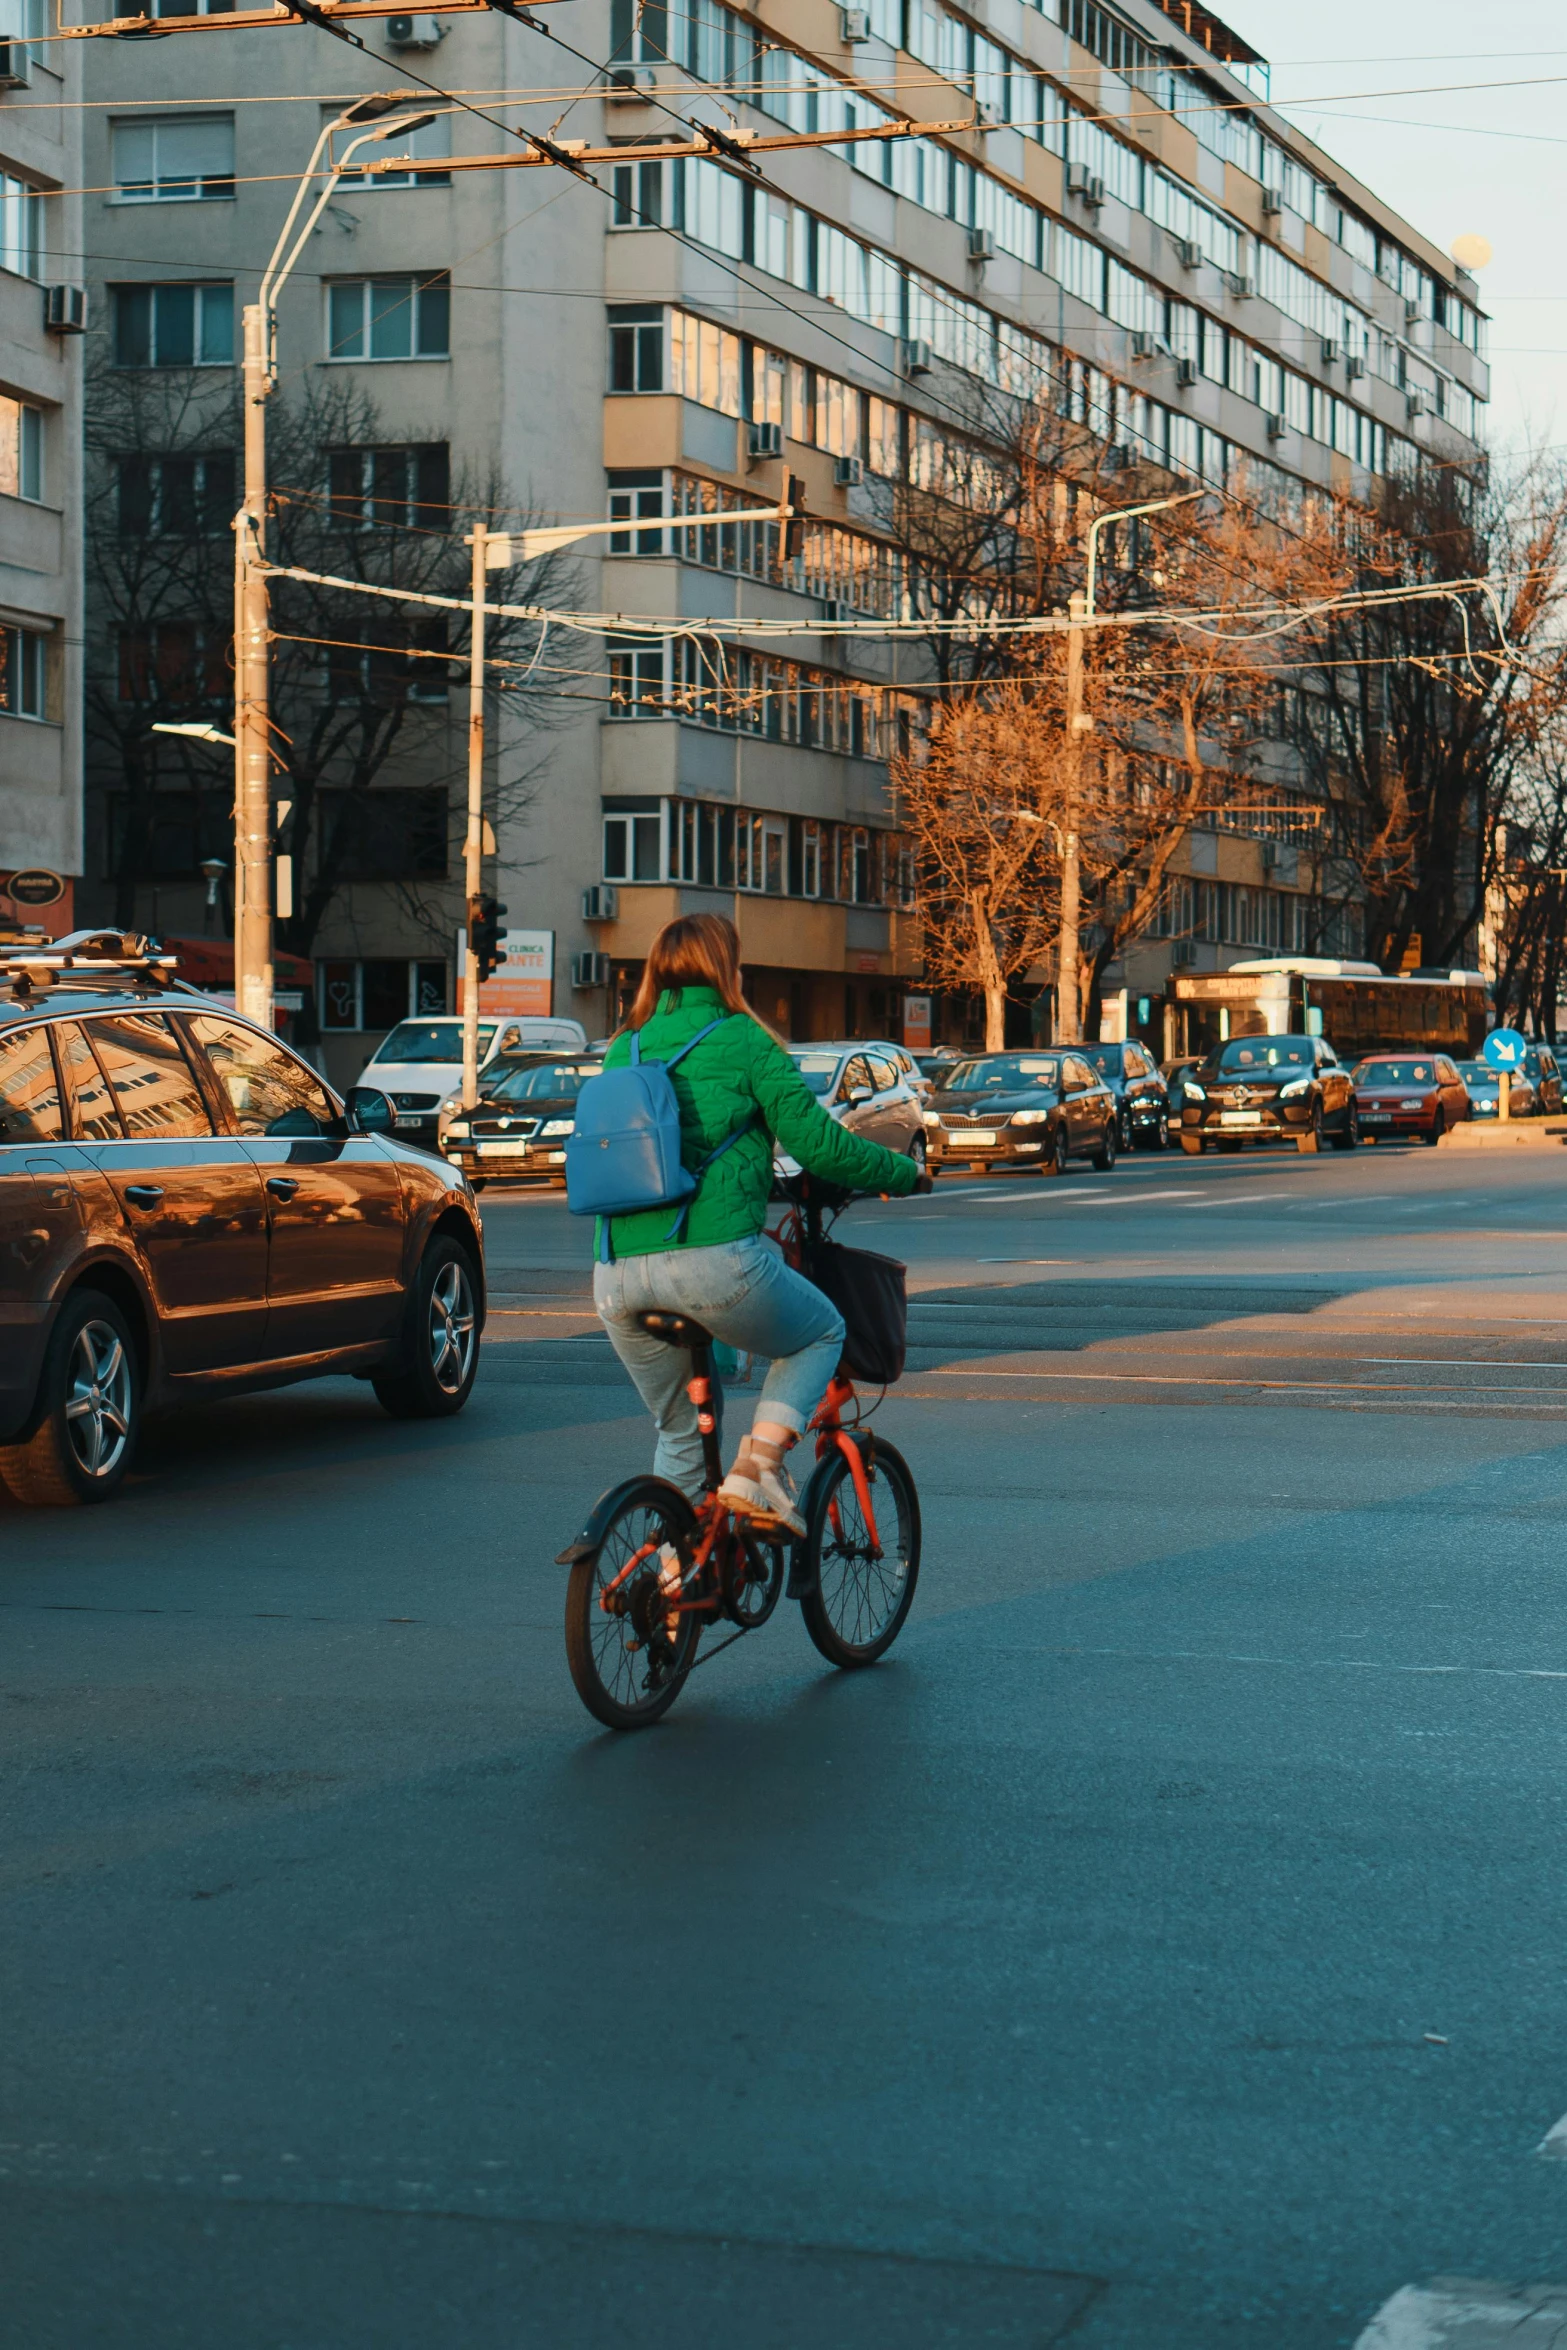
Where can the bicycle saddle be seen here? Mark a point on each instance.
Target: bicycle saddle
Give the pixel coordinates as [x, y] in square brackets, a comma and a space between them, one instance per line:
[675, 1329]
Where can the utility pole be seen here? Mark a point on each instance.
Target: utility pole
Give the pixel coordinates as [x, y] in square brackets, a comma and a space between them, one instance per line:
[1068, 1010]
[252, 778]
[473, 840]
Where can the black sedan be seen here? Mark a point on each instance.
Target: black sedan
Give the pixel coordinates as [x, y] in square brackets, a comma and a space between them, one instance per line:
[1139, 1090]
[518, 1129]
[1269, 1089]
[1024, 1110]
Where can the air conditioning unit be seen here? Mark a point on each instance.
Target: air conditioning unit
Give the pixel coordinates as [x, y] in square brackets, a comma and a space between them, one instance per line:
[415, 32]
[627, 85]
[765, 440]
[856, 26]
[1330, 351]
[590, 970]
[1085, 185]
[848, 472]
[16, 65]
[601, 903]
[1186, 373]
[1416, 404]
[1242, 287]
[981, 245]
[917, 358]
[65, 310]
[1277, 424]
[1354, 368]
[1188, 252]
[1272, 203]
[1411, 309]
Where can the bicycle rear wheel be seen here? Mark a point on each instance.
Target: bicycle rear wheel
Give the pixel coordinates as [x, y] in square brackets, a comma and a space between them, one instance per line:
[861, 1587]
[627, 1658]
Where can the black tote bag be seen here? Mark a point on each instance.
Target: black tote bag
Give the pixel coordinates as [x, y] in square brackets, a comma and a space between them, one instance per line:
[870, 1293]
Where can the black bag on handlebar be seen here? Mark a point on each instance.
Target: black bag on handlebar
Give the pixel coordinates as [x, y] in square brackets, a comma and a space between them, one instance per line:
[869, 1292]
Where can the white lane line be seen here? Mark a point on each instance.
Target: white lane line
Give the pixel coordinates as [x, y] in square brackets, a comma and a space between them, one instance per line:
[1554, 2144]
[1326, 1664]
[1467, 2313]
[978, 1370]
[1028, 1260]
[1247, 1202]
[1108, 1200]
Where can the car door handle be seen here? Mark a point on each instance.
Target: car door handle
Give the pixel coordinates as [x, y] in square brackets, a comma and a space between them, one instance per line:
[144, 1195]
[282, 1186]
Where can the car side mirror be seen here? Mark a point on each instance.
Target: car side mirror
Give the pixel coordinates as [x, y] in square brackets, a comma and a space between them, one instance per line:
[369, 1112]
[859, 1093]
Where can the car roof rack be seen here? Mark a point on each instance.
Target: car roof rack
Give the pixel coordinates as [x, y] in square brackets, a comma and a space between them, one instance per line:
[85, 956]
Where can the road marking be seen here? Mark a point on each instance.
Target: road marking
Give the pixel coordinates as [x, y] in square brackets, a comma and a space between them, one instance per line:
[1465, 2313]
[1244, 1203]
[1286, 1386]
[1328, 1664]
[1554, 2144]
[1107, 1200]
[1028, 1260]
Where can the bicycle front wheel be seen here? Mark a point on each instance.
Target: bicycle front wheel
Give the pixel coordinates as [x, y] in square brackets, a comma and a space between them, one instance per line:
[627, 1652]
[861, 1578]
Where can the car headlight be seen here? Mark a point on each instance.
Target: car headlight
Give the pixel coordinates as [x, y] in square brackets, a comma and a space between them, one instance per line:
[1030, 1117]
[1296, 1087]
[459, 1130]
[1192, 1090]
[931, 1117]
[559, 1125]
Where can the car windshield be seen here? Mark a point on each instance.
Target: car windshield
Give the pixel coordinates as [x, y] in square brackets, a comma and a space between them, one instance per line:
[543, 1081]
[431, 1040]
[1005, 1073]
[1105, 1058]
[1476, 1073]
[818, 1069]
[1244, 1055]
[1396, 1073]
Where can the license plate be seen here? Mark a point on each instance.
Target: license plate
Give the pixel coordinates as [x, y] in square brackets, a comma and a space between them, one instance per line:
[413, 1117]
[1240, 1117]
[961, 1139]
[1376, 1117]
[501, 1150]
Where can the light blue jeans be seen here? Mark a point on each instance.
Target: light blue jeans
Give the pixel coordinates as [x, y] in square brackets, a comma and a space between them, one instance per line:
[747, 1296]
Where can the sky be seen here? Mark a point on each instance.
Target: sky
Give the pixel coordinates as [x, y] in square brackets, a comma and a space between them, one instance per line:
[1381, 86]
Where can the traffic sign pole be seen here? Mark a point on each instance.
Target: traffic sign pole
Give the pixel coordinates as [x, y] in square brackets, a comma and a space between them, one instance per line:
[1504, 1089]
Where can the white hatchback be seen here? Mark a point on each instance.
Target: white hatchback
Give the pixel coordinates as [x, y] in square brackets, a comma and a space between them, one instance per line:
[419, 1065]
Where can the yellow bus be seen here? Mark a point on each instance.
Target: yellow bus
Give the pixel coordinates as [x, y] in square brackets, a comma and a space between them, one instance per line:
[1358, 1008]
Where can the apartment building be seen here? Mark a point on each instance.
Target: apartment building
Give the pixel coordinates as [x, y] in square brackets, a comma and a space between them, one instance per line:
[1128, 219]
[41, 314]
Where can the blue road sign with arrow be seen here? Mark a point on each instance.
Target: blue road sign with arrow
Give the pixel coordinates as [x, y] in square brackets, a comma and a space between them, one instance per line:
[1504, 1048]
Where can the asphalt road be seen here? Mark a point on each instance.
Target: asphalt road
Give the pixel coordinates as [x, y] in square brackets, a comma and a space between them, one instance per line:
[1162, 1950]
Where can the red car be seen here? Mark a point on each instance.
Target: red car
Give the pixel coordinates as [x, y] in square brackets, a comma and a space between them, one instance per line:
[1404, 1094]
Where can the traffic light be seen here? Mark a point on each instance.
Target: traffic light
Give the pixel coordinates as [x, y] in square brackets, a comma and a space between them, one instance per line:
[794, 519]
[484, 935]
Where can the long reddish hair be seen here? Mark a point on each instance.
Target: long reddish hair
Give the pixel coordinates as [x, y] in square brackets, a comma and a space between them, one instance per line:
[695, 950]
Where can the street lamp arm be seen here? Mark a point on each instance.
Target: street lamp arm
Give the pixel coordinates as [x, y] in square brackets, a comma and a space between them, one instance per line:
[277, 276]
[506, 548]
[1124, 514]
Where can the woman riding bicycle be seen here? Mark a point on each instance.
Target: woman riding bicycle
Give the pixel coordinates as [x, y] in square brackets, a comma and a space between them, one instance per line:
[739, 1082]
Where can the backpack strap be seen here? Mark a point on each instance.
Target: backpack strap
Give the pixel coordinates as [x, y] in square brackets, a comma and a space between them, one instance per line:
[677, 1229]
[692, 1042]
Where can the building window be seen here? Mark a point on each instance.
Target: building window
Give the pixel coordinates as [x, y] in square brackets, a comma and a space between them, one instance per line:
[396, 488]
[192, 8]
[636, 350]
[705, 363]
[389, 317]
[392, 835]
[429, 143]
[173, 325]
[378, 992]
[173, 158]
[385, 662]
[21, 226]
[23, 684]
[636, 677]
[21, 449]
[639, 195]
[177, 497]
[176, 662]
[172, 838]
[634, 848]
[632, 495]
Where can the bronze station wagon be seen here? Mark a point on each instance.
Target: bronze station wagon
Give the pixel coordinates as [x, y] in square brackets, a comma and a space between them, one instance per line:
[188, 1210]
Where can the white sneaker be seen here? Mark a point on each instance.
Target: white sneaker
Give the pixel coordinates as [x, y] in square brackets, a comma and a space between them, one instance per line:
[770, 1494]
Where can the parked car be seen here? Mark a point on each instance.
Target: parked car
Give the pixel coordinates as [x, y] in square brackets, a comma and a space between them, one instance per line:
[1409, 1094]
[1269, 1089]
[518, 1129]
[1144, 1105]
[1484, 1091]
[1543, 1071]
[187, 1210]
[419, 1065]
[934, 1065]
[1032, 1110]
[864, 1087]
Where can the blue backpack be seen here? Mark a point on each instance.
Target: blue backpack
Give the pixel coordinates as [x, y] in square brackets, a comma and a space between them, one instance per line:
[623, 1154]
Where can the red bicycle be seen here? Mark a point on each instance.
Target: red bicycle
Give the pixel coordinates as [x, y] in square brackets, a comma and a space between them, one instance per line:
[650, 1571]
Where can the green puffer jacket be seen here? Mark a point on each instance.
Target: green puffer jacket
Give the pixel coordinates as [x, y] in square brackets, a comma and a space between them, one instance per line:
[740, 1071]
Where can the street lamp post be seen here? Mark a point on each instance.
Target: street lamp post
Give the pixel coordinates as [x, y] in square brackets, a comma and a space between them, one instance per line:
[253, 820]
[1068, 984]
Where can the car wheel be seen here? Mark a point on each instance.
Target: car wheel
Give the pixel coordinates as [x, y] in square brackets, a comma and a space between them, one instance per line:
[1055, 1164]
[89, 1410]
[1311, 1139]
[1438, 1128]
[1161, 1133]
[1125, 1138]
[1104, 1157]
[1351, 1134]
[916, 1151]
[440, 1355]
